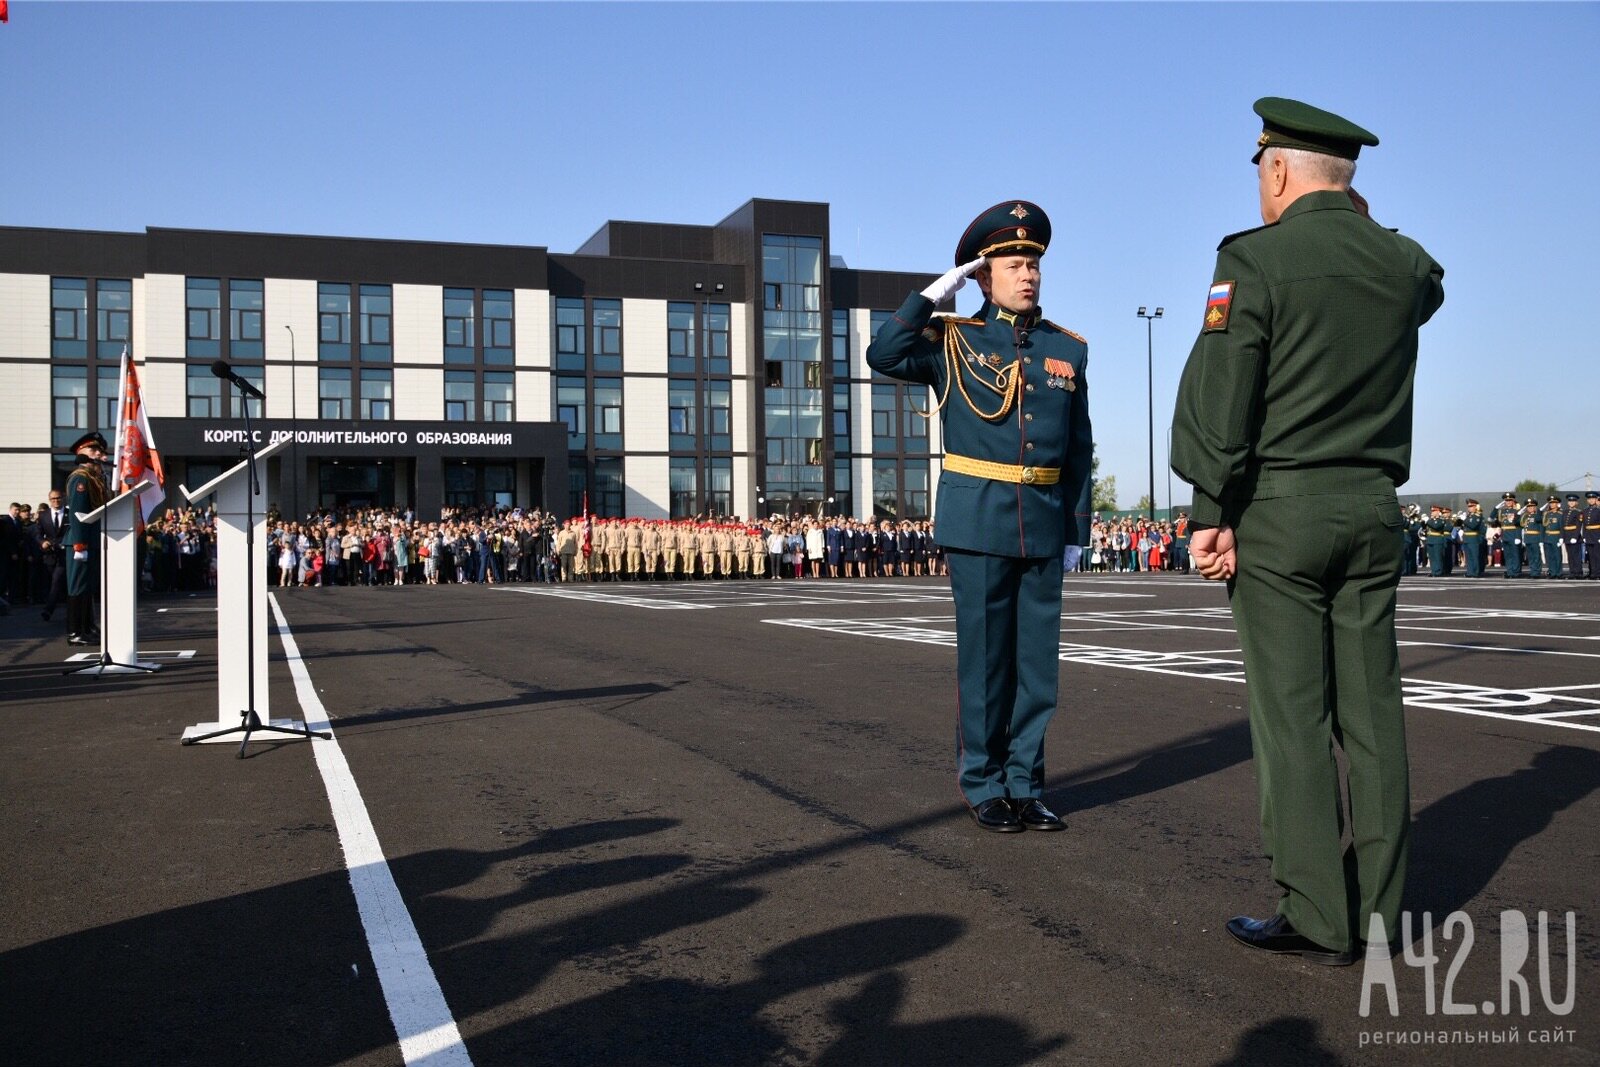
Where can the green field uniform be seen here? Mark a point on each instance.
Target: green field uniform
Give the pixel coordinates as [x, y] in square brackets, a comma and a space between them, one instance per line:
[1294, 424]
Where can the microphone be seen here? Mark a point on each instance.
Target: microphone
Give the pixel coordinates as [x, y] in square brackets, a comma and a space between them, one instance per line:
[221, 369]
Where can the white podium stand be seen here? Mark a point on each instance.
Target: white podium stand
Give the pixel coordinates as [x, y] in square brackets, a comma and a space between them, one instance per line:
[119, 585]
[241, 607]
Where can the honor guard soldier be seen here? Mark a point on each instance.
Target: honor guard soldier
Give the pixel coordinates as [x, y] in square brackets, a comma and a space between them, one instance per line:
[1572, 537]
[1012, 394]
[1510, 519]
[1554, 519]
[1439, 546]
[1533, 537]
[1474, 528]
[85, 492]
[1591, 534]
[1293, 423]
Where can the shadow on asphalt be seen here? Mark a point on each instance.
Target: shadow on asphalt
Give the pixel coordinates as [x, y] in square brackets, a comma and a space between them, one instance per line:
[1288, 1039]
[528, 699]
[1189, 758]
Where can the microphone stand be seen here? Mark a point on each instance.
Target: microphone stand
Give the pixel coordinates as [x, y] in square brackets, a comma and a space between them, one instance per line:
[249, 721]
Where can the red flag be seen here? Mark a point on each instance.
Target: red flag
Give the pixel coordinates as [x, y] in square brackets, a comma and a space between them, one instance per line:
[134, 454]
[5, 12]
[588, 526]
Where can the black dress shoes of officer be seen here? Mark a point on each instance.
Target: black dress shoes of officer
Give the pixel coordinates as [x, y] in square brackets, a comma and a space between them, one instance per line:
[1033, 815]
[77, 639]
[1277, 935]
[996, 815]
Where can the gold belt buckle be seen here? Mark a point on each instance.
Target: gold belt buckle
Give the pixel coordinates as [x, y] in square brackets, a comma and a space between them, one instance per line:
[1029, 475]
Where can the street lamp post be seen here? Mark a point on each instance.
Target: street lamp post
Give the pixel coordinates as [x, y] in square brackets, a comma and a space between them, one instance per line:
[1150, 378]
[294, 424]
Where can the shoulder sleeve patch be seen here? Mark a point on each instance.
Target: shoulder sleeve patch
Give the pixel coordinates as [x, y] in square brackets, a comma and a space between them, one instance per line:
[1219, 302]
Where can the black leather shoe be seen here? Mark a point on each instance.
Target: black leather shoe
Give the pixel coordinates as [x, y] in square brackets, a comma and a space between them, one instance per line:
[1033, 815]
[77, 639]
[996, 816]
[1277, 935]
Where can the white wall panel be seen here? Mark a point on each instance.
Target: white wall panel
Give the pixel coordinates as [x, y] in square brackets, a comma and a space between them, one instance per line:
[644, 414]
[418, 393]
[534, 403]
[290, 302]
[24, 317]
[24, 478]
[644, 336]
[740, 340]
[166, 389]
[25, 411]
[647, 482]
[159, 322]
[533, 311]
[418, 324]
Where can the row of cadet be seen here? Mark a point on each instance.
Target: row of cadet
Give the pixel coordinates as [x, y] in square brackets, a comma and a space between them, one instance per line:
[1525, 539]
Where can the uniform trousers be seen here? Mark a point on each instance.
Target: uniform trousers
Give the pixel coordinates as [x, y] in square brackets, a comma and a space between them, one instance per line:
[1008, 634]
[1533, 551]
[1552, 556]
[1437, 547]
[1472, 549]
[1513, 550]
[1314, 602]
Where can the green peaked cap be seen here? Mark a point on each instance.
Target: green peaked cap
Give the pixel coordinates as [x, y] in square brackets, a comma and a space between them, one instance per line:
[1292, 124]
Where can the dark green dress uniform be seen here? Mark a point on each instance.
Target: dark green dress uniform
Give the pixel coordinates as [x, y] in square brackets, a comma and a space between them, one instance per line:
[1015, 490]
[1294, 424]
[1510, 519]
[1533, 538]
[85, 491]
[1552, 521]
[1591, 535]
[1572, 536]
[1439, 547]
[1474, 530]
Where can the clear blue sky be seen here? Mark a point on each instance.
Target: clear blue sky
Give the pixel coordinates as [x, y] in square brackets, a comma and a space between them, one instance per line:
[1129, 123]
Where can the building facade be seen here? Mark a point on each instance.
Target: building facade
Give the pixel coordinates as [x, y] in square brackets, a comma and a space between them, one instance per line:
[661, 370]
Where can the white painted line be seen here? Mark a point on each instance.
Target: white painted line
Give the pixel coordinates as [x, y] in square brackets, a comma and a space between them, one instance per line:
[422, 1019]
[1497, 648]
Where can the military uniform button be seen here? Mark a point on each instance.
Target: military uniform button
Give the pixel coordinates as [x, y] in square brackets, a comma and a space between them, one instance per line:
[1028, 415]
[1029, 446]
[1027, 359]
[1030, 387]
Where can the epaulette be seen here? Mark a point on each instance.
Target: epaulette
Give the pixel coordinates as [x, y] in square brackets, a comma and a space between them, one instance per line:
[1075, 336]
[934, 331]
[1242, 233]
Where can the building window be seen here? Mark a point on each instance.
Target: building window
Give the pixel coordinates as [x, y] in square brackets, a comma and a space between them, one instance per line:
[256, 376]
[681, 351]
[683, 488]
[570, 348]
[499, 396]
[607, 335]
[69, 404]
[775, 374]
[246, 320]
[203, 322]
[377, 394]
[114, 316]
[792, 333]
[841, 343]
[914, 436]
[572, 404]
[885, 404]
[885, 489]
[681, 404]
[719, 416]
[107, 391]
[205, 393]
[843, 488]
[608, 413]
[499, 328]
[333, 321]
[719, 485]
[69, 318]
[460, 396]
[377, 322]
[841, 419]
[609, 489]
[333, 393]
[718, 334]
[915, 479]
[879, 318]
[460, 327]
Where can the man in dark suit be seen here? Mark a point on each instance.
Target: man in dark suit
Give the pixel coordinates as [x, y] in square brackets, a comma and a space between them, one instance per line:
[51, 529]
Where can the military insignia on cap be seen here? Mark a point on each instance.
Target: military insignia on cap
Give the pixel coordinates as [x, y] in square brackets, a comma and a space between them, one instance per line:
[1020, 212]
[1022, 234]
[1219, 304]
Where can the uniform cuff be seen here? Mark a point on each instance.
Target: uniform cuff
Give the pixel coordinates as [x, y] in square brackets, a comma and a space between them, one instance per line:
[1206, 511]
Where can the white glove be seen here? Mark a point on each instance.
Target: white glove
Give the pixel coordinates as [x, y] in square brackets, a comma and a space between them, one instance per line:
[1070, 557]
[951, 281]
[80, 556]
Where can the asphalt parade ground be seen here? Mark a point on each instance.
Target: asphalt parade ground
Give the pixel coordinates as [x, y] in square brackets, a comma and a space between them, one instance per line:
[717, 823]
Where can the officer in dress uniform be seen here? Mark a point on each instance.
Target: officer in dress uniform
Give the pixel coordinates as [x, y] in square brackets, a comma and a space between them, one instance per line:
[1411, 540]
[1572, 537]
[1474, 530]
[1533, 537]
[1510, 519]
[1293, 423]
[1591, 534]
[1439, 545]
[1552, 521]
[85, 492]
[1012, 394]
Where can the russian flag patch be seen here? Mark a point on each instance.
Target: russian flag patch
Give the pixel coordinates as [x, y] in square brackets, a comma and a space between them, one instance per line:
[1218, 303]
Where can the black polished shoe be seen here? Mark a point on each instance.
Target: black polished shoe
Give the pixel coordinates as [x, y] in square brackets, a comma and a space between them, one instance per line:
[1033, 815]
[77, 639]
[996, 816]
[1277, 935]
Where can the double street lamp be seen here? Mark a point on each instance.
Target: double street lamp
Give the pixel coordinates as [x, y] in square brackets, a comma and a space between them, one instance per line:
[1150, 378]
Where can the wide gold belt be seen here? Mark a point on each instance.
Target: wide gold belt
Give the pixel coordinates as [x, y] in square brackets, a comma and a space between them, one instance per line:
[1001, 472]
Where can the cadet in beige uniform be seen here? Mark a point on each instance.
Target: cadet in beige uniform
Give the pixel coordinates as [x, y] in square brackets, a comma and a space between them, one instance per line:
[633, 540]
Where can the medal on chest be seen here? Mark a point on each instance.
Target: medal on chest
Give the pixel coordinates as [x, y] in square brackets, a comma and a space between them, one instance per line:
[1060, 375]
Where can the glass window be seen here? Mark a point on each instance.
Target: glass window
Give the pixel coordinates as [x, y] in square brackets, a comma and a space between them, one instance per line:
[841, 343]
[719, 485]
[460, 396]
[681, 350]
[914, 427]
[205, 393]
[916, 488]
[69, 318]
[841, 419]
[843, 488]
[203, 331]
[377, 320]
[608, 413]
[570, 349]
[609, 489]
[499, 396]
[246, 310]
[719, 416]
[460, 327]
[333, 321]
[69, 404]
[885, 489]
[572, 405]
[879, 318]
[107, 391]
[608, 335]
[113, 301]
[885, 402]
[377, 394]
[257, 377]
[681, 405]
[683, 488]
[499, 329]
[333, 393]
[718, 332]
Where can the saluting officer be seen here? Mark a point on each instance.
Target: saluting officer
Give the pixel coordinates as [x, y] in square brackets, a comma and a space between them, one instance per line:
[1591, 534]
[1439, 545]
[1294, 425]
[85, 492]
[1533, 537]
[1572, 537]
[1510, 519]
[1473, 529]
[1553, 521]
[1012, 393]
